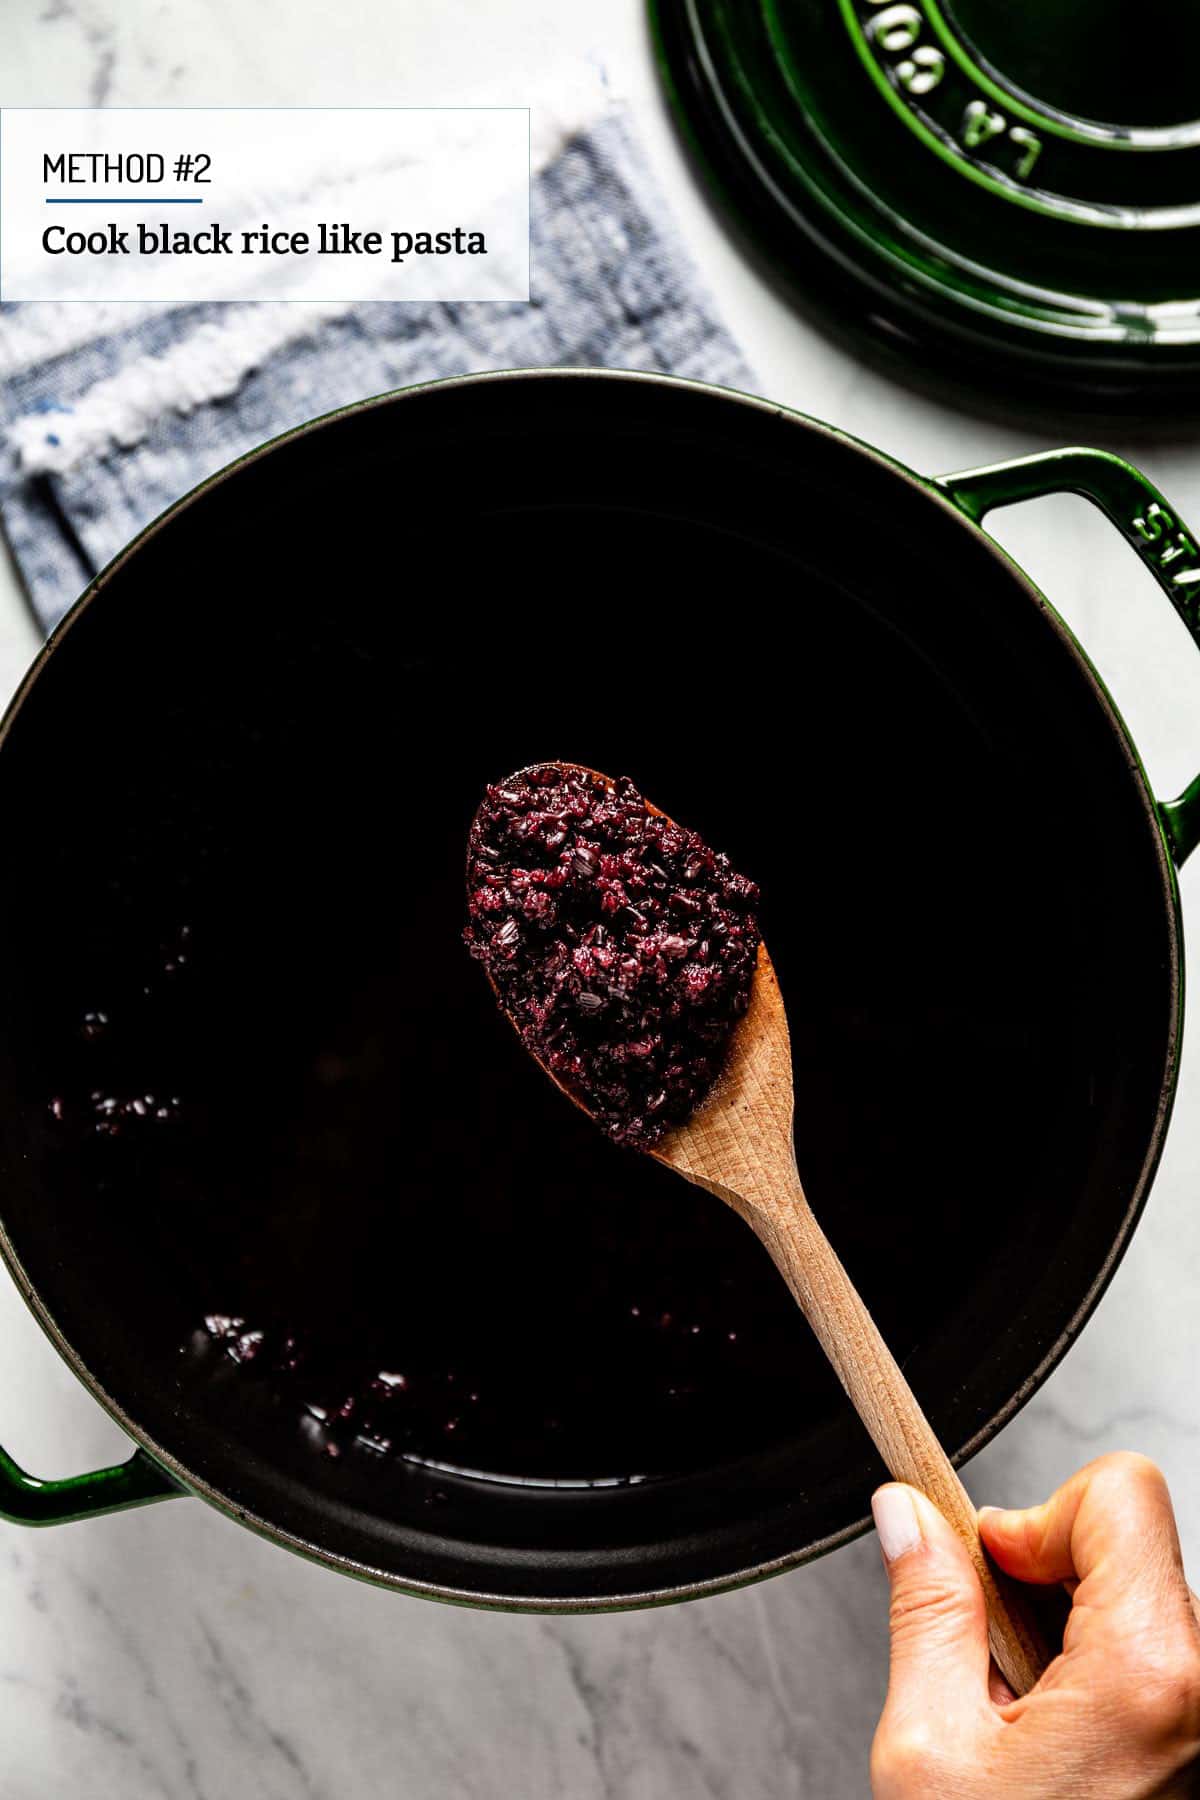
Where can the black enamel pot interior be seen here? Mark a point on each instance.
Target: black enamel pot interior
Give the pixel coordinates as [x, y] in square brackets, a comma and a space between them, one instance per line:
[235, 793]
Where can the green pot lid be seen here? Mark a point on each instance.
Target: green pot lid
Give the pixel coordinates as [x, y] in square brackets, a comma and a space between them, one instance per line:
[997, 192]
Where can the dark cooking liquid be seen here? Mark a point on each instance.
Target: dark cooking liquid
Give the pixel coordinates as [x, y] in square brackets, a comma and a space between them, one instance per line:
[517, 1296]
[359, 1156]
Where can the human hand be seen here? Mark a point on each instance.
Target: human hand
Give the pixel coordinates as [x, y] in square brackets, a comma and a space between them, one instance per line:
[1116, 1716]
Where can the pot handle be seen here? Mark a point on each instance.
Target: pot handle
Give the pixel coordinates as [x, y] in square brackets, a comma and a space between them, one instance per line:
[24, 1500]
[1146, 522]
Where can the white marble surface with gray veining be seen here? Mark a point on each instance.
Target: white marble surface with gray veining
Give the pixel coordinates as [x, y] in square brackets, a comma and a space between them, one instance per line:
[168, 1655]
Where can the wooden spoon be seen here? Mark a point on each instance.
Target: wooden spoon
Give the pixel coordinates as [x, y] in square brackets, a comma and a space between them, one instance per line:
[738, 1145]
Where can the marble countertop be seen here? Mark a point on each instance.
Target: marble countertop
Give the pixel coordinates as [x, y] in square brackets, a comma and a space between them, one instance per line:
[168, 1654]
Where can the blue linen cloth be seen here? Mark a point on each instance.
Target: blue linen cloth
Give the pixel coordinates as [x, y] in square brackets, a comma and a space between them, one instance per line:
[109, 413]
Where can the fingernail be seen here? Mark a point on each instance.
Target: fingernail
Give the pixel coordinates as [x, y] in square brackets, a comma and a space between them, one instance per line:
[981, 1510]
[896, 1522]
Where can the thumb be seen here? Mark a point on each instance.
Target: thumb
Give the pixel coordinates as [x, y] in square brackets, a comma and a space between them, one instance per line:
[939, 1654]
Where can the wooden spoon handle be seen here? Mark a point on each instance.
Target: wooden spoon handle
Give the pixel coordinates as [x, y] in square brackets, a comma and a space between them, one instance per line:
[888, 1408]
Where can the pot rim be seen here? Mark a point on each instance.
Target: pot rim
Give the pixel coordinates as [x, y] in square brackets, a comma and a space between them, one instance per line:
[929, 493]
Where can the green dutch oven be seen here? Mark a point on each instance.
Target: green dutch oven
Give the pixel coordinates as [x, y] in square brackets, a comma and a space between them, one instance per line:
[269, 721]
[983, 193]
